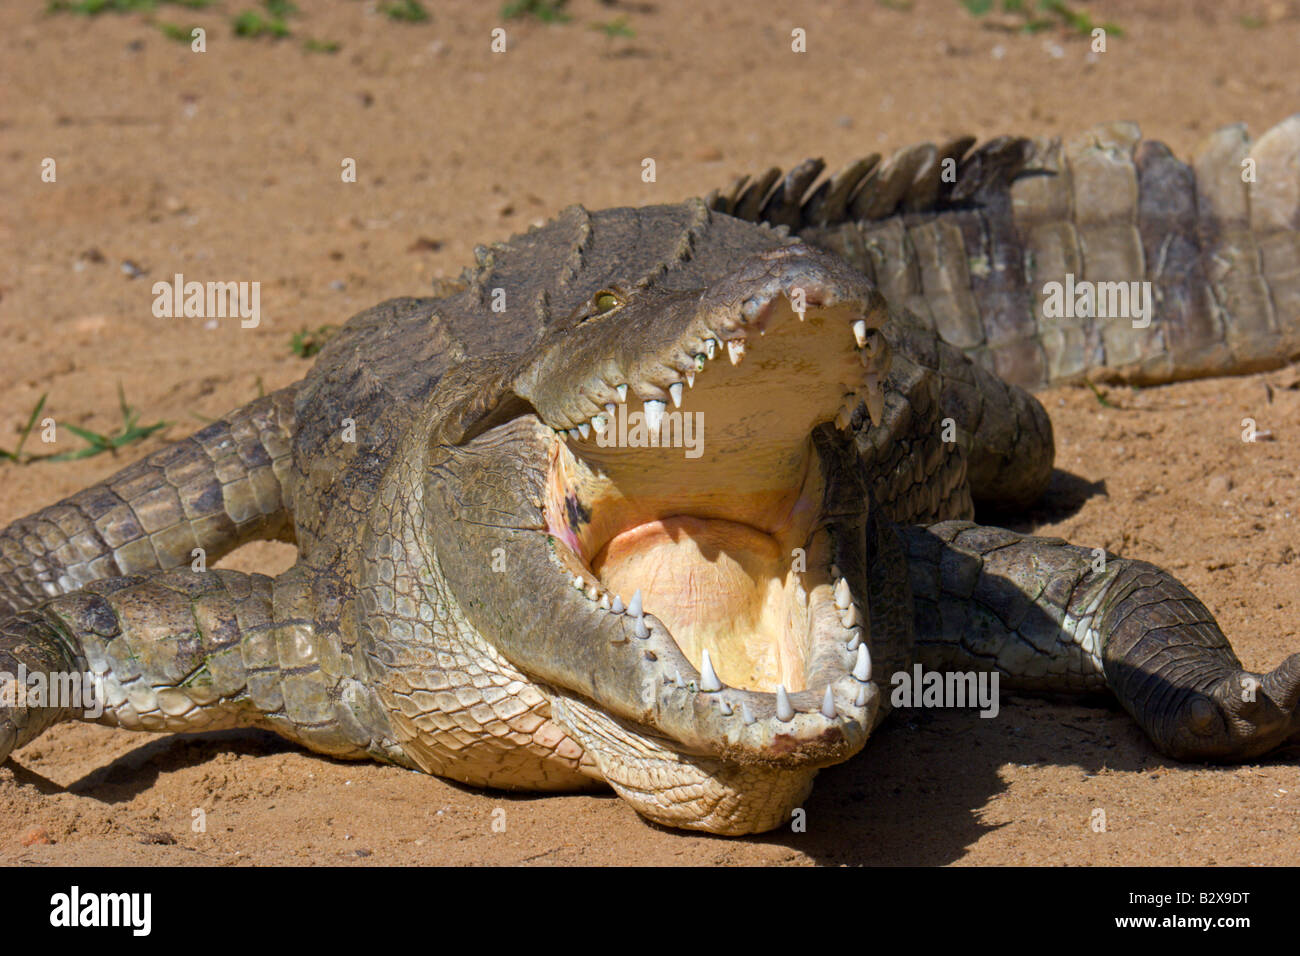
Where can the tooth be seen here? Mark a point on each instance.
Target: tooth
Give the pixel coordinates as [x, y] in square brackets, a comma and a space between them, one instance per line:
[690, 379]
[862, 669]
[875, 398]
[855, 640]
[843, 597]
[735, 350]
[726, 708]
[574, 434]
[860, 332]
[677, 679]
[861, 699]
[850, 617]
[578, 582]
[710, 347]
[641, 631]
[675, 390]
[599, 423]
[584, 430]
[828, 704]
[745, 713]
[783, 709]
[654, 414]
[618, 607]
[611, 409]
[604, 601]
[635, 607]
[700, 359]
[709, 682]
[843, 418]
[622, 392]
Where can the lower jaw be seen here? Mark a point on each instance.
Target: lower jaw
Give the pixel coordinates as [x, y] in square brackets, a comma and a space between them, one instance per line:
[719, 586]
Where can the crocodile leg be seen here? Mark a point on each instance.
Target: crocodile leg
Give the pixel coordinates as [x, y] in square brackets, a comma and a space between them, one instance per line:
[215, 490]
[1053, 617]
[185, 651]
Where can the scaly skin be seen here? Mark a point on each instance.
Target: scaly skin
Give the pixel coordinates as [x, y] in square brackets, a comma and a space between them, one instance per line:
[467, 546]
[969, 256]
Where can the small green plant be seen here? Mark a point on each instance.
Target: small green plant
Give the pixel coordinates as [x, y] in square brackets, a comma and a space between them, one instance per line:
[1039, 15]
[312, 45]
[96, 444]
[618, 27]
[93, 8]
[548, 11]
[307, 342]
[1250, 21]
[16, 455]
[252, 23]
[174, 31]
[1100, 396]
[407, 11]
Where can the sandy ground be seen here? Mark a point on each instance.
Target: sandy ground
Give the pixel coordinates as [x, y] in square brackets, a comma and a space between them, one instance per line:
[226, 165]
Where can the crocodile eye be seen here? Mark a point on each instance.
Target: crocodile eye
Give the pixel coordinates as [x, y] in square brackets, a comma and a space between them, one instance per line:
[605, 302]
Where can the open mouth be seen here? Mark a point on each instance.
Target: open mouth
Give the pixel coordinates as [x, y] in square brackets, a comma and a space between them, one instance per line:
[700, 502]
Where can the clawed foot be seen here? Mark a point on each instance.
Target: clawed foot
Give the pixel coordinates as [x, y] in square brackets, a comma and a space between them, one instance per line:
[1242, 716]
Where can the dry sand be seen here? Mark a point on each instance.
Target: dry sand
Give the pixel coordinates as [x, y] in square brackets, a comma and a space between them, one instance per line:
[226, 165]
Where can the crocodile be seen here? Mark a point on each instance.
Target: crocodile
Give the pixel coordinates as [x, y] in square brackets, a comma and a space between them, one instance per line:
[661, 498]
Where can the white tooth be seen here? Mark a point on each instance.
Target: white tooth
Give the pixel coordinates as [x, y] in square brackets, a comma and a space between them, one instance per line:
[574, 434]
[604, 601]
[860, 332]
[735, 350]
[563, 434]
[700, 359]
[710, 347]
[677, 679]
[800, 595]
[611, 409]
[726, 708]
[641, 631]
[855, 640]
[622, 392]
[843, 597]
[635, 607]
[862, 669]
[690, 379]
[850, 617]
[861, 699]
[578, 582]
[875, 399]
[843, 418]
[745, 713]
[709, 682]
[618, 607]
[584, 430]
[675, 390]
[783, 709]
[654, 414]
[828, 704]
[800, 313]
[599, 423]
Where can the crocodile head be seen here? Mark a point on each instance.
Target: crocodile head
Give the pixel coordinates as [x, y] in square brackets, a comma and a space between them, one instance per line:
[650, 512]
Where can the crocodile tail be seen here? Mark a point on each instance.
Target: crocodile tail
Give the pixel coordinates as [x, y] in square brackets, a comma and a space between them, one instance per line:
[1025, 253]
